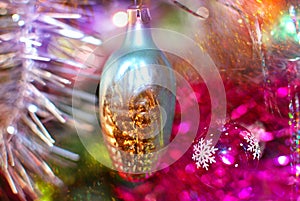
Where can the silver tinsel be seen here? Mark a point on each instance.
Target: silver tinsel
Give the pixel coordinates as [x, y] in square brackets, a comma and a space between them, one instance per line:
[38, 44]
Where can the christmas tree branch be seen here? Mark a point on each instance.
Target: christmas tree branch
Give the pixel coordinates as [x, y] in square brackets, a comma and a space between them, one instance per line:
[29, 30]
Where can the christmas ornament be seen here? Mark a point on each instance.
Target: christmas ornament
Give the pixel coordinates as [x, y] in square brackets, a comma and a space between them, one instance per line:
[238, 146]
[136, 98]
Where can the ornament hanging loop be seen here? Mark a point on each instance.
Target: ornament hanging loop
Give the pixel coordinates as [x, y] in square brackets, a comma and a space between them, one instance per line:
[137, 2]
[138, 12]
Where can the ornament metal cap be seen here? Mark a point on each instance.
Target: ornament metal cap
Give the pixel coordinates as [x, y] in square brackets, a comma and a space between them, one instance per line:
[138, 13]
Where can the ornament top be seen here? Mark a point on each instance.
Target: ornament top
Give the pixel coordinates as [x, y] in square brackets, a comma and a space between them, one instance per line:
[138, 14]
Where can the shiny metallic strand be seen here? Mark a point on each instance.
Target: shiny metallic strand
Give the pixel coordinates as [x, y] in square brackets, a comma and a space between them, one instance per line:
[253, 26]
[185, 8]
[32, 58]
[294, 120]
[277, 51]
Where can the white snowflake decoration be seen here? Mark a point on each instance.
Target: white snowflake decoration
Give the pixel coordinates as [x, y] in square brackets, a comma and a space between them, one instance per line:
[253, 145]
[203, 153]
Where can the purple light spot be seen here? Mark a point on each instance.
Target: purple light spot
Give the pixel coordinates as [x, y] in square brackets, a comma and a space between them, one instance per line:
[228, 159]
[283, 160]
[244, 133]
[242, 109]
[245, 193]
[266, 136]
[230, 198]
[297, 169]
[239, 111]
[190, 169]
[184, 127]
[184, 196]
[282, 92]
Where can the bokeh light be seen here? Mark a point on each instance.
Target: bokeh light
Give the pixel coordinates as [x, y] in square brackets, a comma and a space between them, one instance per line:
[120, 19]
[283, 160]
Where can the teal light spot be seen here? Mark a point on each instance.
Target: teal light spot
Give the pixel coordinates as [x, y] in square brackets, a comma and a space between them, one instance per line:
[290, 27]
